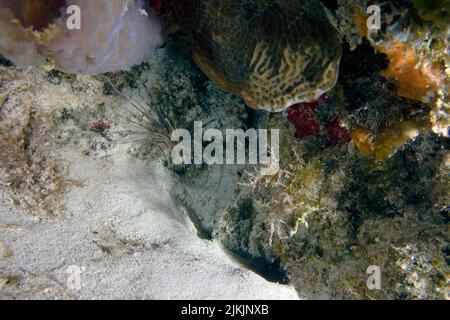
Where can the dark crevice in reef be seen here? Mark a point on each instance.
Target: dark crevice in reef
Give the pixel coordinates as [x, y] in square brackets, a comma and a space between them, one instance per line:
[272, 272]
[446, 252]
[364, 61]
[255, 118]
[239, 237]
[5, 62]
[330, 4]
[202, 232]
[371, 98]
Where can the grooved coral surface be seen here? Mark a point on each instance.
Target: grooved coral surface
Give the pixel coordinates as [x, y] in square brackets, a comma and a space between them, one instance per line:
[114, 35]
[271, 53]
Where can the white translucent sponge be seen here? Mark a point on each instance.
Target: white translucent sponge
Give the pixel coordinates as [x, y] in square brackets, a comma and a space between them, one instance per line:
[114, 34]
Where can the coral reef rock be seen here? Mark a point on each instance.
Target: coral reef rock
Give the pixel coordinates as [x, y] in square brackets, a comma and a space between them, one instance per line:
[329, 215]
[114, 34]
[272, 53]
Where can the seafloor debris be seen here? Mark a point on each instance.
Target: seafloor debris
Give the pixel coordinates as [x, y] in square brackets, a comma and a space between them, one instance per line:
[5, 252]
[114, 34]
[255, 50]
[31, 176]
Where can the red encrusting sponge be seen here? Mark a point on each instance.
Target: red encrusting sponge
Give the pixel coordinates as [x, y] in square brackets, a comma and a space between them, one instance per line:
[304, 117]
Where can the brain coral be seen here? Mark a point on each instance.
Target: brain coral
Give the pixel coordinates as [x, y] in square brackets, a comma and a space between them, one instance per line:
[114, 34]
[271, 53]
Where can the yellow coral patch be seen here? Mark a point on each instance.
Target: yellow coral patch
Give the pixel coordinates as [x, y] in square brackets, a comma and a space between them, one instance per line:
[44, 36]
[363, 140]
[387, 141]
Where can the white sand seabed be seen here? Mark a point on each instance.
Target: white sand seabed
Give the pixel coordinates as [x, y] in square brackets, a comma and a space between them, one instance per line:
[127, 237]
